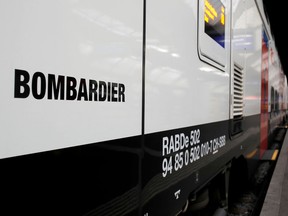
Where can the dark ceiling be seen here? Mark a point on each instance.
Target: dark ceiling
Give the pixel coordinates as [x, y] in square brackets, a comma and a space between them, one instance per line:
[277, 14]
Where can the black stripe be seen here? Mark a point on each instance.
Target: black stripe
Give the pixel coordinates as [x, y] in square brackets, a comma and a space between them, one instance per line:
[116, 176]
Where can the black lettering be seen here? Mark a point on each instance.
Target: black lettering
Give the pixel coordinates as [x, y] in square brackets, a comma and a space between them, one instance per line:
[21, 84]
[102, 91]
[71, 92]
[114, 92]
[55, 87]
[121, 92]
[93, 90]
[109, 92]
[38, 76]
[82, 92]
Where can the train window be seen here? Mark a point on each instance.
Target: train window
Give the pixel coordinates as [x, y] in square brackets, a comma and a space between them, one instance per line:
[272, 100]
[276, 100]
[214, 19]
[213, 31]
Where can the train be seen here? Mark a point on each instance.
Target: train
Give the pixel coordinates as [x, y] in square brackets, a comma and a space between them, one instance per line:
[134, 107]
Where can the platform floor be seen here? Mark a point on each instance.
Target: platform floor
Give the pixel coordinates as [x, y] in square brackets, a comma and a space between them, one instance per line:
[276, 199]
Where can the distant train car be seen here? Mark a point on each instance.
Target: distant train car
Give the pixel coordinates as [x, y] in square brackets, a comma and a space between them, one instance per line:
[133, 107]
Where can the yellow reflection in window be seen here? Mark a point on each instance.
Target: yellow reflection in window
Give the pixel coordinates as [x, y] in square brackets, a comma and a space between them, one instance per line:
[210, 12]
[222, 15]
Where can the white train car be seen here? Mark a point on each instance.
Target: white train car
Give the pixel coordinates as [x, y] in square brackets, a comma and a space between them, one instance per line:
[133, 107]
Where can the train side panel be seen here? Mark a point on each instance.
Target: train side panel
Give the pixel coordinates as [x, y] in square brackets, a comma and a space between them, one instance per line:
[71, 92]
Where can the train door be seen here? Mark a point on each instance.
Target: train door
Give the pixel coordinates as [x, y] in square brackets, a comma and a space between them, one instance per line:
[238, 40]
[184, 97]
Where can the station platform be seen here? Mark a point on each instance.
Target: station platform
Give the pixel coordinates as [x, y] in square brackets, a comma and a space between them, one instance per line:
[276, 199]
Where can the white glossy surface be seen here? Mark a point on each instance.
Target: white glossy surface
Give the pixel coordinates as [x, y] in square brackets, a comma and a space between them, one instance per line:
[181, 90]
[252, 76]
[100, 40]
